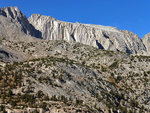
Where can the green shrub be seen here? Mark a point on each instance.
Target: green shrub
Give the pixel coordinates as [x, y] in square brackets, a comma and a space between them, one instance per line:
[40, 94]
[114, 65]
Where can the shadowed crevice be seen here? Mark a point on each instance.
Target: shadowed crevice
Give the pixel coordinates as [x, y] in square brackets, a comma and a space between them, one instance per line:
[99, 45]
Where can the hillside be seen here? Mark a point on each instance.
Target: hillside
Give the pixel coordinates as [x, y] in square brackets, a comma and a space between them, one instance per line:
[42, 72]
[73, 76]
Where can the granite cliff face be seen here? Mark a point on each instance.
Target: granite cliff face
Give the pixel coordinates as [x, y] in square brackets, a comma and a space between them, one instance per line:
[103, 37]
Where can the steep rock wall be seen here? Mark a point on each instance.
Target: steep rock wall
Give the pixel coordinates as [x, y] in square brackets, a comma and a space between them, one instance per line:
[103, 37]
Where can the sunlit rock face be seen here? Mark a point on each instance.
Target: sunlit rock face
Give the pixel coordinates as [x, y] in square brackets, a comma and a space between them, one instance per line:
[103, 37]
[146, 41]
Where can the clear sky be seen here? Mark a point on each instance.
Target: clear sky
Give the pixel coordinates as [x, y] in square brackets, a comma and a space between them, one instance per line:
[132, 15]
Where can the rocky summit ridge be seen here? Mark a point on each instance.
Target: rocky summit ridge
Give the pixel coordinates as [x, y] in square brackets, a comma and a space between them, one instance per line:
[102, 37]
[48, 28]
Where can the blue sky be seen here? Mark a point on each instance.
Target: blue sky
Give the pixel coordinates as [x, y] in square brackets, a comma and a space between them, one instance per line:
[132, 15]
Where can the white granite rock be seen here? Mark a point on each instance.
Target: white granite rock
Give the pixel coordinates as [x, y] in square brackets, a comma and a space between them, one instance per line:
[103, 37]
[146, 41]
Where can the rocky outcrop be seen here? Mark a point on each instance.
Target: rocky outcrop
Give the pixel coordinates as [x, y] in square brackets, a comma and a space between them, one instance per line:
[9, 56]
[103, 37]
[14, 22]
[146, 41]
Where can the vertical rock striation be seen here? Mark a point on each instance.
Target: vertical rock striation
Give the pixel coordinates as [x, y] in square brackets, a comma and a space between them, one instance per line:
[103, 37]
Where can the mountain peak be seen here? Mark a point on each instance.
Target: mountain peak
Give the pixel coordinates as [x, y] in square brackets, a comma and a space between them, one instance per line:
[147, 35]
[13, 12]
[14, 20]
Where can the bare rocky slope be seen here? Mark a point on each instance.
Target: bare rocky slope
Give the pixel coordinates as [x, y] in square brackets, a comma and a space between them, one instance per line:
[49, 66]
[57, 76]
